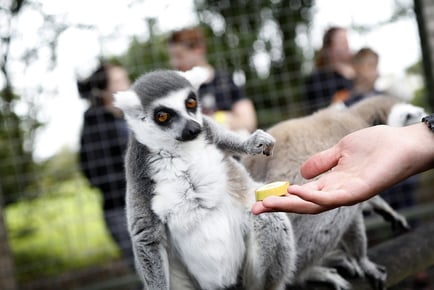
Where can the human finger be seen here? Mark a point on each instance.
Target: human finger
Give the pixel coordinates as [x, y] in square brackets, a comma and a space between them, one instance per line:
[320, 163]
[258, 208]
[310, 192]
[291, 203]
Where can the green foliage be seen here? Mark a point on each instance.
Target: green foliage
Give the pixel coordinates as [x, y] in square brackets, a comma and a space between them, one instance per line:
[60, 168]
[16, 166]
[420, 99]
[416, 68]
[143, 56]
[245, 36]
[16, 131]
[59, 232]
[420, 95]
[59, 227]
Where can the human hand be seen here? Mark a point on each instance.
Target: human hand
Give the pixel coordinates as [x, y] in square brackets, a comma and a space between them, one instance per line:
[361, 165]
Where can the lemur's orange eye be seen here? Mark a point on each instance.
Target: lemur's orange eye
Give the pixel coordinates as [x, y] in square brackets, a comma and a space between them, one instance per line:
[191, 103]
[162, 117]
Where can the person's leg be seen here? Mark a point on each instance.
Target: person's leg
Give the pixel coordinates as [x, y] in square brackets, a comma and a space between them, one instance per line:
[116, 223]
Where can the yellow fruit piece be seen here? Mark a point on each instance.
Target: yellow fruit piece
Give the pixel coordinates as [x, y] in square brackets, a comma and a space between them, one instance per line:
[277, 188]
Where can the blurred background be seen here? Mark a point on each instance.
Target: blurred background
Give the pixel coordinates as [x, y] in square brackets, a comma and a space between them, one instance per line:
[53, 233]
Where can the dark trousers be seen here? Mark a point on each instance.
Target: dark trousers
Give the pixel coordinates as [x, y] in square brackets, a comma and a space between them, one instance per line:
[116, 223]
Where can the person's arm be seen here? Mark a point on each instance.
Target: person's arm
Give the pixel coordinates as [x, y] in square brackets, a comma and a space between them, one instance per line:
[242, 116]
[360, 166]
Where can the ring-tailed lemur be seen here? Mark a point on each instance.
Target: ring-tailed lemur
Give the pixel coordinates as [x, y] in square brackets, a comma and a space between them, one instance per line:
[341, 228]
[188, 201]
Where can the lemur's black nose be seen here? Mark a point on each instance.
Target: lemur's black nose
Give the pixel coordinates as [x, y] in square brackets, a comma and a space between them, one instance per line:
[191, 130]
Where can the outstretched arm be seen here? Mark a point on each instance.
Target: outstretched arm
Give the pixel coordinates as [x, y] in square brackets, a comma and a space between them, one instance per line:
[361, 165]
[257, 143]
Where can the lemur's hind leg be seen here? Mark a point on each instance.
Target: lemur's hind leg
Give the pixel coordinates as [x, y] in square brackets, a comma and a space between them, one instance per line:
[381, 207]
[343, 258]
[271, 254]
[354, 242]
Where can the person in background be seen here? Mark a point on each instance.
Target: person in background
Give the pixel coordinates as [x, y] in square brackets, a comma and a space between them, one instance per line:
[365, 64]
[219, 96]
[333, 73]
[359, 166]
[103, 142]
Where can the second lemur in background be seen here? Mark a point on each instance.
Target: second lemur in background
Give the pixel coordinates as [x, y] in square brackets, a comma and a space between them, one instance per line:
[319, 236]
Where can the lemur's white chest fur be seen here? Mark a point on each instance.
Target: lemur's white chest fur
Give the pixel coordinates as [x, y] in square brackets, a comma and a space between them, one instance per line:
[192, 199]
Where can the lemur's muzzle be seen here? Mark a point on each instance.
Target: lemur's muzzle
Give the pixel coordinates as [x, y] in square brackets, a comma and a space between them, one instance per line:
[191, 130]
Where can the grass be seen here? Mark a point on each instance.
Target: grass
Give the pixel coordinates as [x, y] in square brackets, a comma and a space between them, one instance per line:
[59, 232]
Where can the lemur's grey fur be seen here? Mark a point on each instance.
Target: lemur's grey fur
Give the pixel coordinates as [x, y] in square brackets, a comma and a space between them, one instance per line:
[335, 237]
[188, 201]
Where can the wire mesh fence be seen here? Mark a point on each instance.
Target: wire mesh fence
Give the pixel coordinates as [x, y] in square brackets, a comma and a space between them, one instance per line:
[63, 213]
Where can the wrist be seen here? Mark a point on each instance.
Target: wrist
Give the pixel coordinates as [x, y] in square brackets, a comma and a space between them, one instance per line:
[429, 121]
[420, 146]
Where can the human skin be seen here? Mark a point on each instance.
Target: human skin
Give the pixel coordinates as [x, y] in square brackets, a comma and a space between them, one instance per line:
[117, 81]
[359, 166]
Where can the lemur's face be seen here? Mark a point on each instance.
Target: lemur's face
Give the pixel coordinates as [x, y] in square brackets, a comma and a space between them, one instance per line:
[167, 121]
[177, 116]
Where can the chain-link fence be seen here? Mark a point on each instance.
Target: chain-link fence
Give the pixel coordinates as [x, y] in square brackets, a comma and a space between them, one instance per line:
[63, 209]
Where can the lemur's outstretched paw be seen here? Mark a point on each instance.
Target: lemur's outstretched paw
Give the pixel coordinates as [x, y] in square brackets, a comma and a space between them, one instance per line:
[260, 142]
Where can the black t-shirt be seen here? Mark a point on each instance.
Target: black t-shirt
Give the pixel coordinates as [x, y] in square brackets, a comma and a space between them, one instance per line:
[220, 94]
[103, 144]
[321, 86]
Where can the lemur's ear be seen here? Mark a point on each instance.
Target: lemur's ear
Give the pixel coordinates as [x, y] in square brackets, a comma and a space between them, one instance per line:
[197, 76]
[128, 102]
